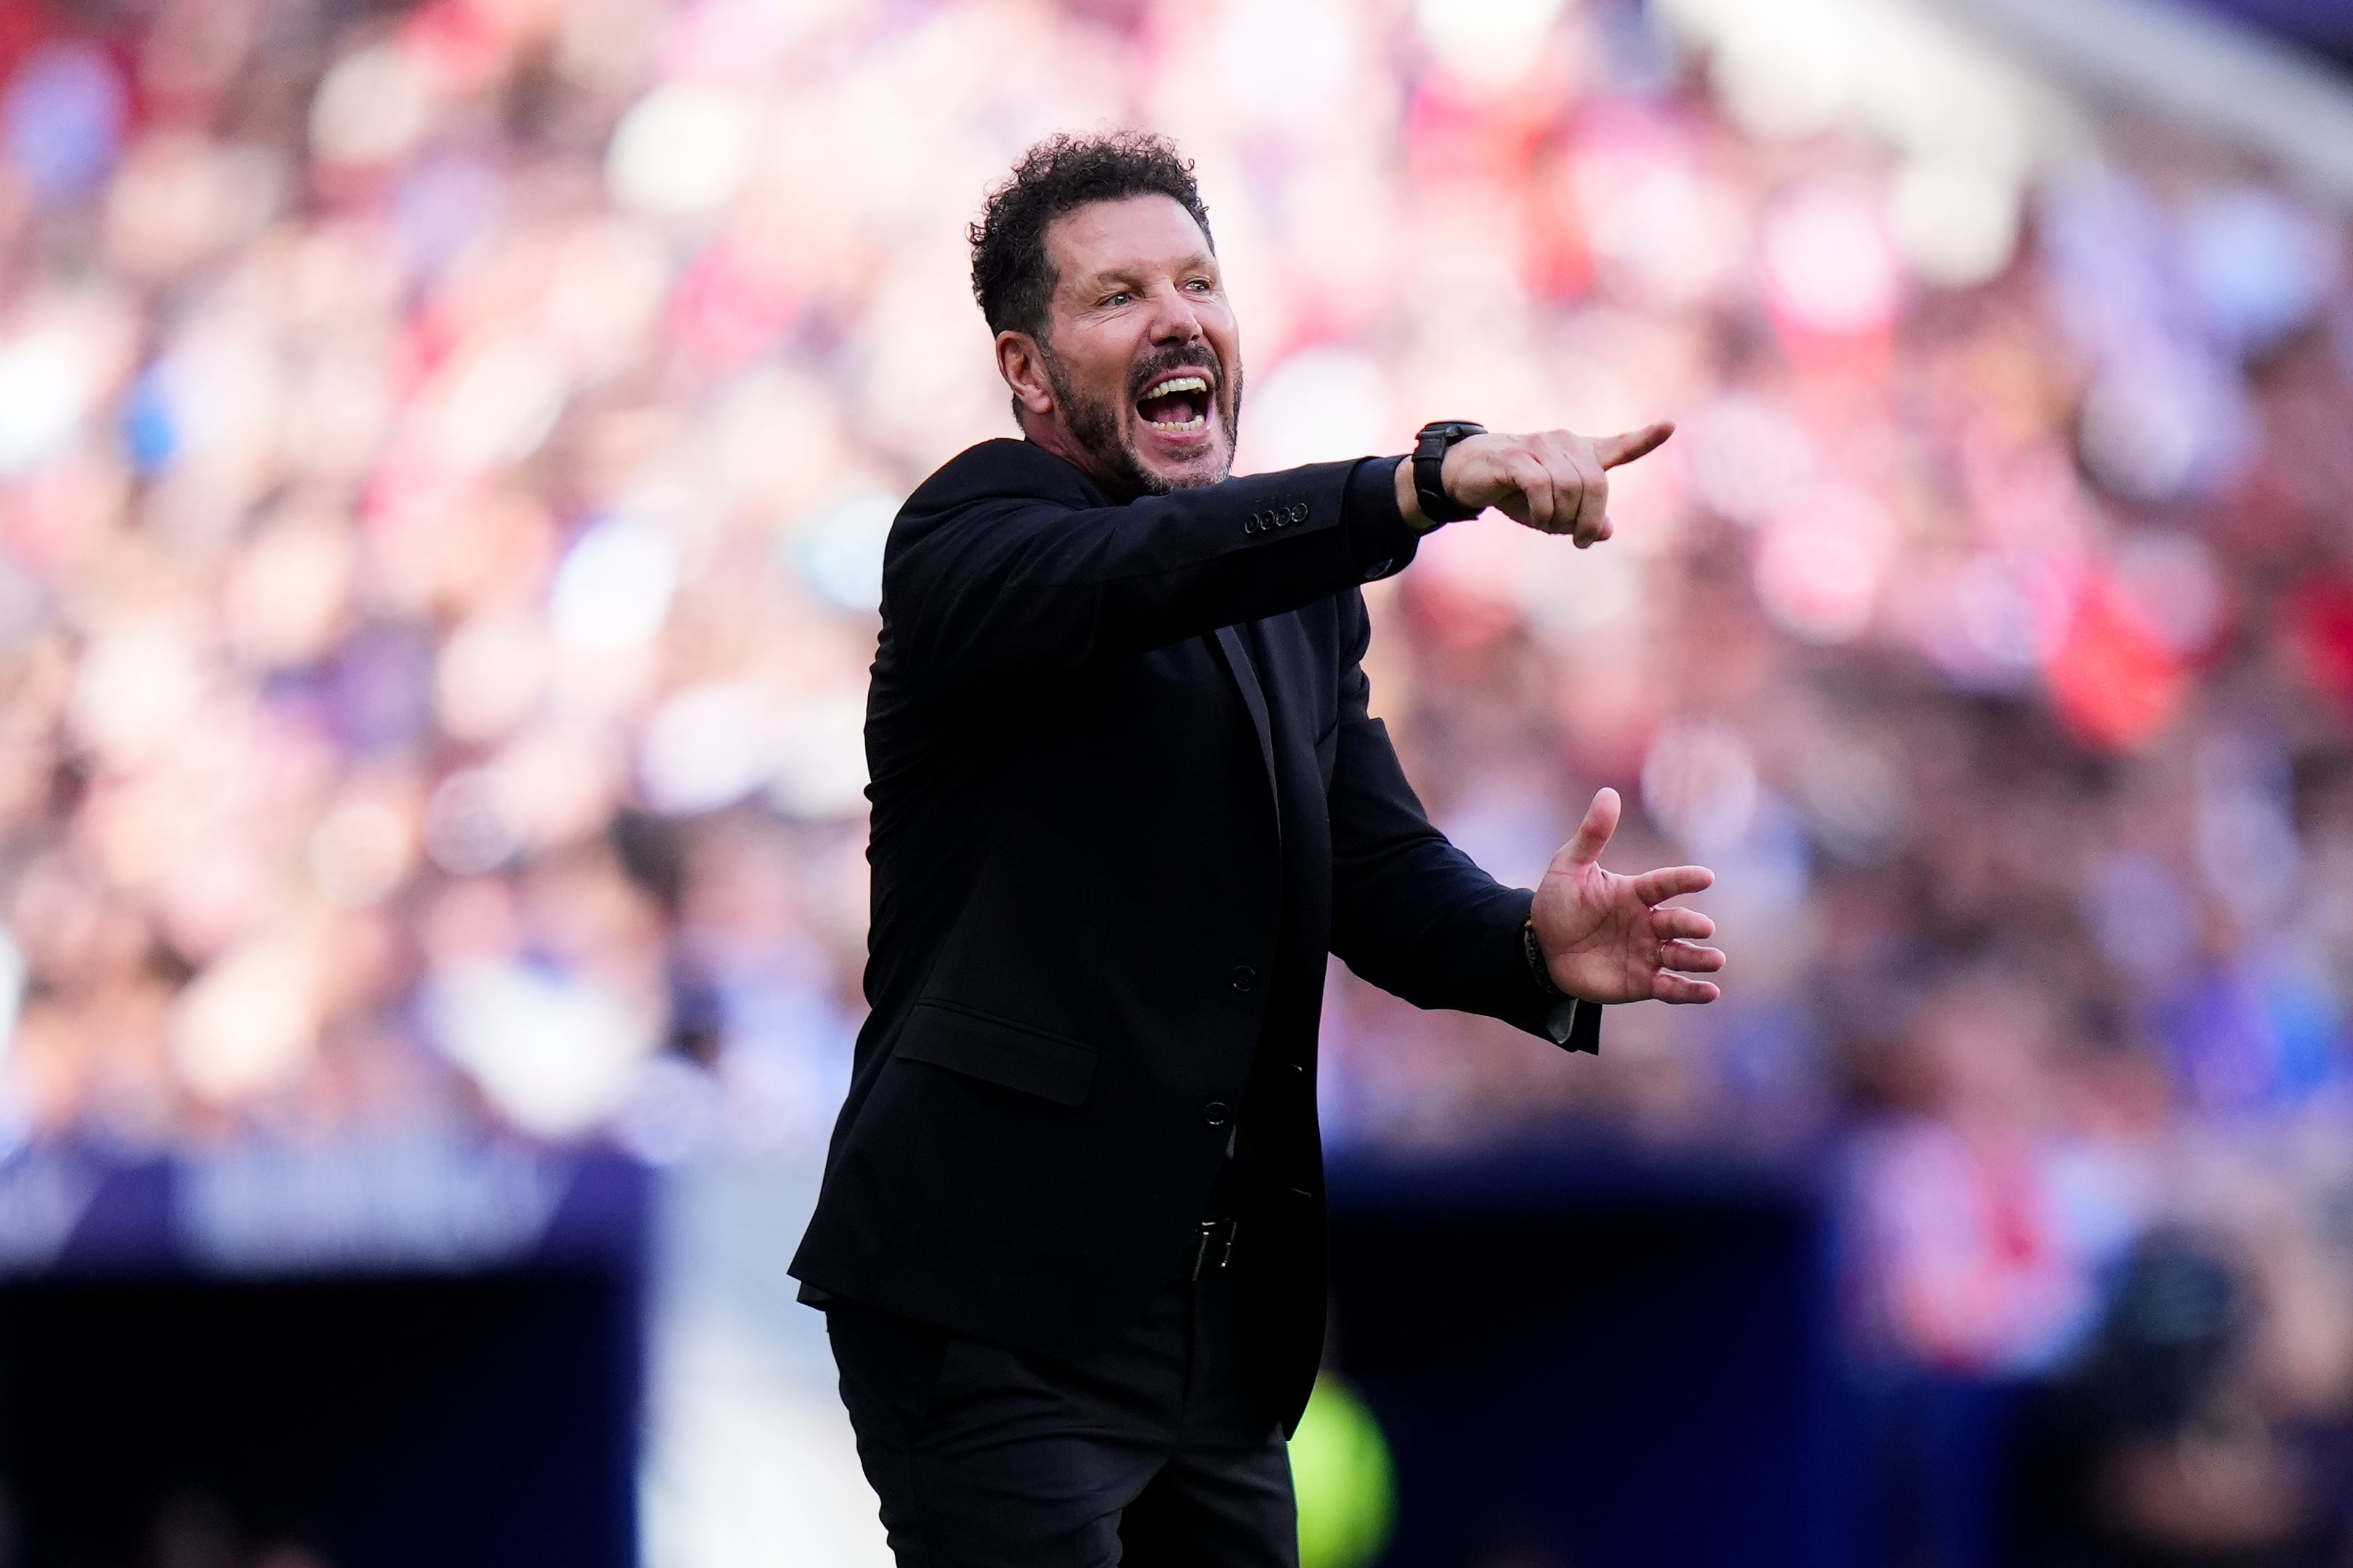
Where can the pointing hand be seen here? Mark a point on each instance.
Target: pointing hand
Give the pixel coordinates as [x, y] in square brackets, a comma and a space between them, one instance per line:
[1555, 482]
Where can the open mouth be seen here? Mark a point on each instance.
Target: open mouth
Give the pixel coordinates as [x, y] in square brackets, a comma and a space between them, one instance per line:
[1176, 403]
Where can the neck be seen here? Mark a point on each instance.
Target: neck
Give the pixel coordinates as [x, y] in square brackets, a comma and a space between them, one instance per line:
[1052, 437]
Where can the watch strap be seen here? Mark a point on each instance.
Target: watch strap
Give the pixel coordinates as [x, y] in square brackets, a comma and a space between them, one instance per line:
[1430, 448]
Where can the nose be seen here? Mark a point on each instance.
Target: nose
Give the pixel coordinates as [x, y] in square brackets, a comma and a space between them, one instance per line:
[1174, 319]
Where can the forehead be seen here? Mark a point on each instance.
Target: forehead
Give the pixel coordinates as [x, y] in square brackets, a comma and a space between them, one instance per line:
[1145, 234]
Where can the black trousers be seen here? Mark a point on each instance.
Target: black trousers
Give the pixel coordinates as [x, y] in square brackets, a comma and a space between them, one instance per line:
[1157, 1453]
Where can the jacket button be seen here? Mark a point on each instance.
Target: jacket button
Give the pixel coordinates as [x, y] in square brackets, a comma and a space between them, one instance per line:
[1298, 511]
[1217, 1113]
[1243, 978]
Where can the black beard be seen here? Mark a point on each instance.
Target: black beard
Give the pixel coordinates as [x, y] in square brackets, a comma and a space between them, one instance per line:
[1094, 423]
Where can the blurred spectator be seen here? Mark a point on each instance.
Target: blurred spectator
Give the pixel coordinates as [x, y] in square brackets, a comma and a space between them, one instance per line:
[1982, 1222]
[2169, 1444]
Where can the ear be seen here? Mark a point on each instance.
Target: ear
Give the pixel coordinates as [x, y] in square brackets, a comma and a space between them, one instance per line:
[1023, 367]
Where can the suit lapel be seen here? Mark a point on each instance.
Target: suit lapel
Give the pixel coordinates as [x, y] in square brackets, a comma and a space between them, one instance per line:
[1239, 664]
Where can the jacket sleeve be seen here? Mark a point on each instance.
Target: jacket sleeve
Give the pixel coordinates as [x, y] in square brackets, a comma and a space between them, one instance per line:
[1002, 561]
[1411, 912]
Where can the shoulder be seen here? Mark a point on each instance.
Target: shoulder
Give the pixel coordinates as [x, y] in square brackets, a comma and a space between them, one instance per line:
[998, 470]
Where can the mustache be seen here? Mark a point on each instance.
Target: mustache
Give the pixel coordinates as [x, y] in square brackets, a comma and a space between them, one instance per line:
[1160, 361]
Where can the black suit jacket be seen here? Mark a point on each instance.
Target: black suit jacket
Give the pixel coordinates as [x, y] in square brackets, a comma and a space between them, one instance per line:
[1126, 797]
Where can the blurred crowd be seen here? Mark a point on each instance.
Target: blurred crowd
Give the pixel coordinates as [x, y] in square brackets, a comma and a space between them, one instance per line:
[445, 452]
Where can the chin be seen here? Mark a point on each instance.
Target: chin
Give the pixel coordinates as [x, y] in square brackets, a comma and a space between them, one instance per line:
[1162, 473]
[1189, 476]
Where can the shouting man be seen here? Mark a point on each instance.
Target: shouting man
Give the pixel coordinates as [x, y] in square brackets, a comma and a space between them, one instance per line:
[1127, 796]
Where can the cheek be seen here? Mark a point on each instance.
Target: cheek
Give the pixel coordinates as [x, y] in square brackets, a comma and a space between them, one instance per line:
[1095, 361]
[1228, 348]
[1226, 337]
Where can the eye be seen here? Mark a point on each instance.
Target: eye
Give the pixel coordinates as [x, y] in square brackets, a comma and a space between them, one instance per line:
[1122, 297]
[1199, 285]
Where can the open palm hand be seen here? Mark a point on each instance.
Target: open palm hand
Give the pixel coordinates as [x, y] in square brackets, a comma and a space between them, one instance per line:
[1609, 938]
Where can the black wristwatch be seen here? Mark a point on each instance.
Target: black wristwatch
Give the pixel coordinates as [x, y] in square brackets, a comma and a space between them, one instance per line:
[1430, 444]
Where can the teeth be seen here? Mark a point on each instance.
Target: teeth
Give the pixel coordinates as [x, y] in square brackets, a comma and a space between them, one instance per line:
[1178, 384]
[1195, 423]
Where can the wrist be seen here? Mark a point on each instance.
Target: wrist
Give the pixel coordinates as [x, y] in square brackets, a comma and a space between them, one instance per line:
[1432, 443]
[1408, 503]
[1537, 968]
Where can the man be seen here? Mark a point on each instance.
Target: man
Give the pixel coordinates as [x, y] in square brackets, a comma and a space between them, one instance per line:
[1127, 796]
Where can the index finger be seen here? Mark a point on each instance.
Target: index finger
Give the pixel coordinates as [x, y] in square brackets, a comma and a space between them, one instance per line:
[1672, 882]
[1614, 450]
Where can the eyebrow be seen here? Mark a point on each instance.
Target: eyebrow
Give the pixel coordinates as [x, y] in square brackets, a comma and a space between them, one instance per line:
[1197, 261]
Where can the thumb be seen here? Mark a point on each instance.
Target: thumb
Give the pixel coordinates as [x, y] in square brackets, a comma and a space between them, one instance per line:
[1593, 833]
[1613, 450]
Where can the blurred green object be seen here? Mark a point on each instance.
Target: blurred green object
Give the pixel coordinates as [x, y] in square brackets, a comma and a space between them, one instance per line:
[1348, 1487]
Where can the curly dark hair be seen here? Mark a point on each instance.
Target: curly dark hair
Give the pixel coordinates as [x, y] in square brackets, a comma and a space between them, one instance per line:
[1012, 276]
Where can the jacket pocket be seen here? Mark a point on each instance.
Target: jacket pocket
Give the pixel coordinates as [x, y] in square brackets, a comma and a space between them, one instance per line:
[1011, 1056]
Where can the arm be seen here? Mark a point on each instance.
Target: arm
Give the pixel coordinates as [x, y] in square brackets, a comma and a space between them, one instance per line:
[1415, 916]
[1411, 912]
[1007, 557]
[1002, 560]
